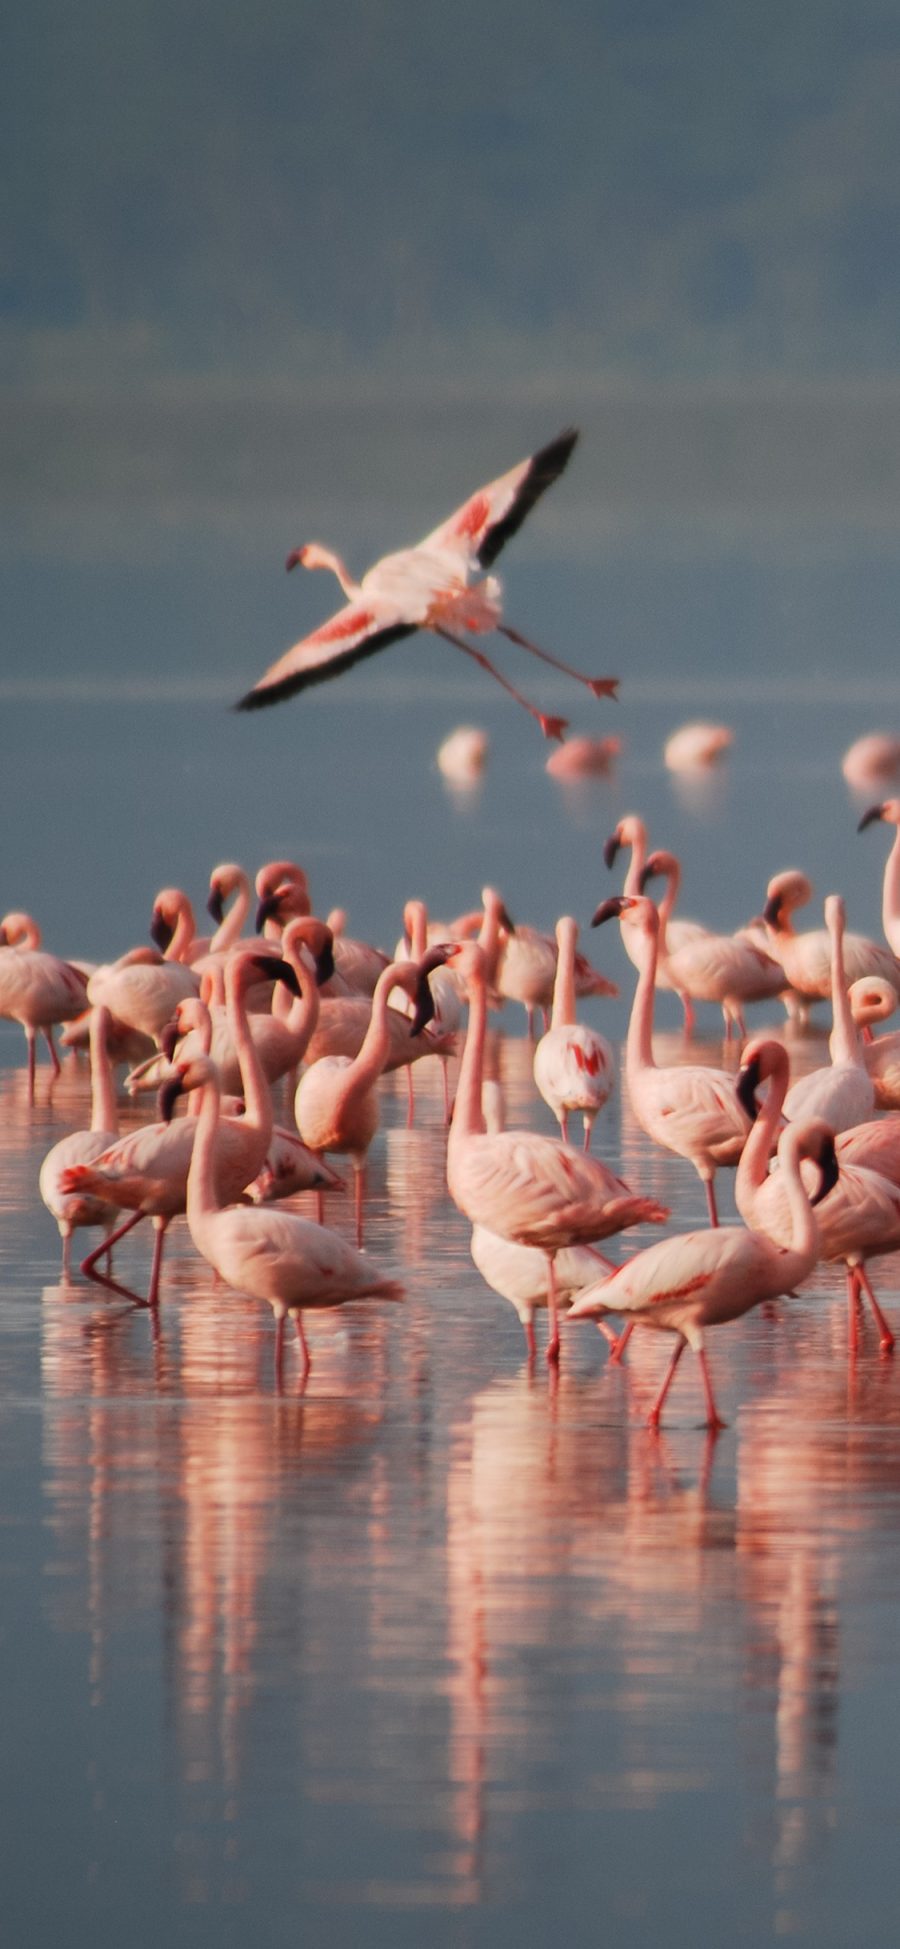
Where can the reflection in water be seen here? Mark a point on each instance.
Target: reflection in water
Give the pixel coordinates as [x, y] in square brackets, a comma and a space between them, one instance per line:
[439, 1636]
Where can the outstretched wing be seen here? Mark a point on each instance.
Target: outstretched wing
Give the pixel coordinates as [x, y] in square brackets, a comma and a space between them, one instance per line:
[356, 631]
[485, 523]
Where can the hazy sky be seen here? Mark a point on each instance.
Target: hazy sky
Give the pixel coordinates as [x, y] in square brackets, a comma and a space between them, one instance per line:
[278, 261]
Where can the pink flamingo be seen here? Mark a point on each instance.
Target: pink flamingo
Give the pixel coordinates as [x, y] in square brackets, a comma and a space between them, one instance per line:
[688, 1108]
[336, 1105]
[283, 894]
[277, 1256]
[574, 1066]
[430, 587]
[145, 1172]
[73, 1210]
[141, 990]
[37, 989]
[525, 971]
[843, 1092]
[874, 1000]
[532, 1189]
[701, 1279]
[889, 813]
[228, 882]
[859, 1212]
[806, 958]
[632, 832]
[724, 968]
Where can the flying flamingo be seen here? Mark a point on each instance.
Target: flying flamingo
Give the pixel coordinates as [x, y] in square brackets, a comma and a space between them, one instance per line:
[843, 1092]
[277, 1256]
[145, 1172]
[574, 1066]
[37, 989]
[73, 1210]
[430, 586]
[532, 1189]
[687, 1108]
[683, 1285]
[859, 1212]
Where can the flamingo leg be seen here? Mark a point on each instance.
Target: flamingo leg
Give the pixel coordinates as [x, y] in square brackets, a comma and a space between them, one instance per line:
[160, 1226]
[552, 727]
[852, 1312]
[32, 1062]
[711, 1203]
[598, 686]
[305, 1362]
[553, 1311]
[57, 1065]
[690, 1019]
[111, 1239]
[713, 1417]
[621, 1343]
[279, 1352]
[410, 1098]
[445, 1077]
[358, 1190]
[530, 1340]
[588, 1126]
[320, 1207]
[668, 1377]
[564, 1125]
[886, 1340]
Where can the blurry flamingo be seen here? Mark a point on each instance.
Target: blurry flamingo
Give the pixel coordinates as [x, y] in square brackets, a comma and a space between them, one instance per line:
[870, 760]
[574, 1066]
[37, 989]
[889, 812]
[874, 1000]
[696, 745]
[277, 1256]
[726, 968]
[842, 1092]
[526, 1187]
[700, 1279]
[463, 754]
[73, 1210]
[430, 586]
[584, 758]
[806, 958]
[688, 1108]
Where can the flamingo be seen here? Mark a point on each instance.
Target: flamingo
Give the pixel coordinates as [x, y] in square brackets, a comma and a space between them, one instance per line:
[71, 1209]
[700, 1279]
[694, 746]
[632, 832]
[889, 813]
[859, 1212]
[336, 1105]
[584, 758]
[430, 586]
[689, 1109]
[806, 958]
[141, 990]
[843, 1092]
[725, 968]
[283, 893]
[145, 1172]
[173, 927]
[37, 989]
[277, 1256]
[228, 881]
[526, 971]
[871, 1001]
[463, 754]
[445, 991]
[532, 1189]
[871, 760]
[574, 1066]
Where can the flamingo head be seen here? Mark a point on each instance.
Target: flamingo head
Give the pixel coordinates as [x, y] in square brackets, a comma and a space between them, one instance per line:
[223, 881]
[627, 903]
[762, 1058]
[243, 972]
[835, 913]
[871, 1000]
[783, 893]
[630, 831]
[888, 810]
[424, 1012]
[818, 1145]
[193, 1075]
[659, 866]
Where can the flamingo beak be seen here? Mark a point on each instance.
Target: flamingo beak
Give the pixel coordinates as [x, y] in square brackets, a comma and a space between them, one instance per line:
[215, 905]
[272, 968]
[160, 931]
[869, 818]
[294, 559]
[648, 873]
[168, 1097]
[507, 921]
[828, 1166]
[610, 910]
[424, 1010]
[610, 849]
[747, 1084]
[267, 910]
[772, 910]
[324, 961]
[169, 1040]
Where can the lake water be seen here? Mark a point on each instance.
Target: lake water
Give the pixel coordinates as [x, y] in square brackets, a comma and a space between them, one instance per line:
[436, 1650]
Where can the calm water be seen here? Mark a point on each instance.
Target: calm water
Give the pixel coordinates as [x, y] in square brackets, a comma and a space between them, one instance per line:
[435, 1651]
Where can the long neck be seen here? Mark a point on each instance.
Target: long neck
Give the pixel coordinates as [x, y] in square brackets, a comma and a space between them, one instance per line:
[804, 1230]
[753, 1169]
[639, 1042]
[489, 939]
[638, 859]
[104, 1109]
[326, 558]
[303, 1015]
[231, 927]
[256, 1093]
[844, 1041]
[890, 903]
[415, 920]
[564, 984]
[202, 1196]
[369, 1063]
[184, 935]
[667, 904]
[468, 1120]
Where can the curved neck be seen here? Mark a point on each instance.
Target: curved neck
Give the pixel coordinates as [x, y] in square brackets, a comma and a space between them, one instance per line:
[367, 1066]
[301, 1018]
[638, 859]
[804, 1230]
[327, 558]
[257, 1096]
[415, 921]
[843, 1041]
[667, 903]
[753, 1168]
[489, 939]
[184, 934]
[563, 1014]
[468, 1120]
[639, 1041]
[104, 1109]
[202, 1196]
[231, 926]
[890, 902]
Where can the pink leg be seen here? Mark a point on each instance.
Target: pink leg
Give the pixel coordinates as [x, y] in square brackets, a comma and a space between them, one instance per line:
[711, 1202]
[31, 1064]
[598, 686]
[669, 1376]
[445, 1078]
[886, 1340]
[690, 1018]
[48, 1038]
[530, 1340]
[279, 1351]
[609, 1334]
[320, 1207]
[111, 1239]
[852, 1312]
[358, 1191]
[552, 727]
[305, 1362]
[160, 1226]
[67, 1256]
[410, 1097]
[588, 1127]
[552, 1311]
[713, 1418]
[564, 1125]
[621, 1343]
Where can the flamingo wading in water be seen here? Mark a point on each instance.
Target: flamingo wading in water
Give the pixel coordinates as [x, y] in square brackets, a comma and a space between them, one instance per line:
[432, 586]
